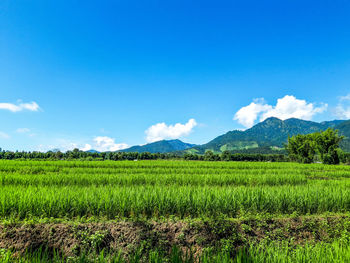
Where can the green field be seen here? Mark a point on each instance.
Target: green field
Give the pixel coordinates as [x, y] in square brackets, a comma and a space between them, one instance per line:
[175, 211]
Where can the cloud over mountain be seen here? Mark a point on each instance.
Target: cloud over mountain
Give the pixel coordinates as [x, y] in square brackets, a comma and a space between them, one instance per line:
[161, 131]
[104, 143]
[285, 108]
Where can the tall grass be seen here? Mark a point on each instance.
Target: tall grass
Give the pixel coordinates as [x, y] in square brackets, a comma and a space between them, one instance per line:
[164, 188]
[154, 189]
[182, 201]
[129, 178]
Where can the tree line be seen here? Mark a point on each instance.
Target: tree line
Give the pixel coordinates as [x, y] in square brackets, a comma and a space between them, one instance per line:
[77, 154]
[229, 156]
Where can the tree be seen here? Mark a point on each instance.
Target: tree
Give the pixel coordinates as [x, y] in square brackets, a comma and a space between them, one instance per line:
[210, 156]
[327, 144]
[226, 156]
[301, 148]
[58, 155]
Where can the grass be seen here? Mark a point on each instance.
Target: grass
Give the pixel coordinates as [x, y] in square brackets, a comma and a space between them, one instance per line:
[160, 190]
[181, 201]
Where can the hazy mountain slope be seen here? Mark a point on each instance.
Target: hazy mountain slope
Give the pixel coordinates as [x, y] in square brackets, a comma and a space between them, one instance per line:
[344, 129]
[164, 146]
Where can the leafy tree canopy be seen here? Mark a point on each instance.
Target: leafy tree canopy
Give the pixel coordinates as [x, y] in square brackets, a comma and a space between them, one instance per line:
[303, 148]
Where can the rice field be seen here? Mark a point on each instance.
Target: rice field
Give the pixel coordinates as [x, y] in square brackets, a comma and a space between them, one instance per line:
[164, 188]
[184, 191]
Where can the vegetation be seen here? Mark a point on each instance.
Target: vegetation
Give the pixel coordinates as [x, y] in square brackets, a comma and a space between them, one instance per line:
[76, 154]
[173, 211]
[303, 148]
[323, 253]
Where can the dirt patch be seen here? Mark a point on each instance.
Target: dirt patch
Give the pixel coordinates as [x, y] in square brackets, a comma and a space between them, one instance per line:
[127, 236]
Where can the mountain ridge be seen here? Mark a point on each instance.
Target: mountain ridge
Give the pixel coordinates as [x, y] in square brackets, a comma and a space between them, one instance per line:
[163, 146]
[272, 132]
[268, 136]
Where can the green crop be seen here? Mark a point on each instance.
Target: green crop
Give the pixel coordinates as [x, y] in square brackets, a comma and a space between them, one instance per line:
[163, 188]
[99, 190]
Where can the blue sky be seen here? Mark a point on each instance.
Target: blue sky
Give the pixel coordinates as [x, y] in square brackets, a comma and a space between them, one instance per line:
[106, 74]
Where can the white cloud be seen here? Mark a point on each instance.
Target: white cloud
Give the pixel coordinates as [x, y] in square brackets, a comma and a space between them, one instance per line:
[32, 106]
[23, 130]
[286, 107]
[161, 131]
[62, 144]
[342, 110]
[247, 115]
[291, 107]
[99, 143]
[65, 145]
[87, 147]
[347, 97]
[104, 143]
[4, 135]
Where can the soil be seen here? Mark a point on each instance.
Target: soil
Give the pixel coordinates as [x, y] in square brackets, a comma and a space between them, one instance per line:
[126, 237]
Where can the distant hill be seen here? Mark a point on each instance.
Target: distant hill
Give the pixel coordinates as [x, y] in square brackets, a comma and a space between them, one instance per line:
[164, 146]
[271, 134]
[92, 151]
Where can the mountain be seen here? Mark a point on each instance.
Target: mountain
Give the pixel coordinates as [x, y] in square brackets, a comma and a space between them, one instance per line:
[344, 129]
[271, 134]
[268, 136]
[163, 146]
[92, 151]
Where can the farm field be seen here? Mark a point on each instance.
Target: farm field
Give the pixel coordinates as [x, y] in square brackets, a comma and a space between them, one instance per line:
[173, 211]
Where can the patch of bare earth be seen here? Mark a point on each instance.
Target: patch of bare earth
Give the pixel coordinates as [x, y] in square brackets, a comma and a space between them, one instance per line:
[128, 236]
